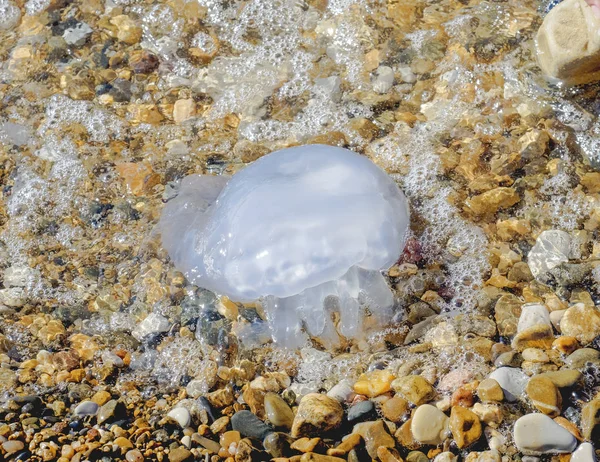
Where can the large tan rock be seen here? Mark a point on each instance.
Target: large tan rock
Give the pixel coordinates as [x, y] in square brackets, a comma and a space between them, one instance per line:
[317, 414]
[581, 322]
[568, 43]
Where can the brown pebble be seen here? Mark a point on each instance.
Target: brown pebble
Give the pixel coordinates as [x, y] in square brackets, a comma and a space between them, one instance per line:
[346, 445]
[414, 388]
[405, 437]
[375, 434]
[464, 395]
[544, 395]
[180, 454]
[219, 425]
[312, 457]
[305, 444]
[490, 390]
[316, 414]
[388, 455]
[566, 345]
[465, 426]
[66, 360]
[143, 62]
[395, 408]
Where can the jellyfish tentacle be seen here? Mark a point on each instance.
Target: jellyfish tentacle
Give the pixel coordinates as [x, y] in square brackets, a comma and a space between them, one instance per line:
[284, 321]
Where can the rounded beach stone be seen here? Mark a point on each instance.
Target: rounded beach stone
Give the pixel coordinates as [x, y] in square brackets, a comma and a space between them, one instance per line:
[394, 408]
[584, 453]
[180, 454]
[249, 425]
[86, 408]
[490, 390]
[12, 446]
[581, 322]
[429, 425]
[277, 411]
[414, 388]
[181, 415]
[374, 383]
[579, 358]
[363, 410]
[342, 391]
[551, 248]
[544, 395]
[563, 378]
[537, 434]
[534, 329]
[512, 381]
[565, 344]
[316, 414]
[590, 417]
[465, 426]
[375, 436]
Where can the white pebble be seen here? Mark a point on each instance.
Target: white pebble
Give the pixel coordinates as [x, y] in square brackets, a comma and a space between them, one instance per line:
[429, 425]
[181, 415]
[584, 453]
[86, 408]
[537, 434]
[512, 381]
[108, 357]
[533, 314]
[341, 391]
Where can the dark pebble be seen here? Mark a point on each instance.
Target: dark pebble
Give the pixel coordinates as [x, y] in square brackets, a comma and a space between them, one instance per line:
[249, 425]
[103, 89]
[204, 404]
[24, 455]
[28, 399]
[75, 425]
[143, 62]
[278, 444]
[121, 90]
[363, 410]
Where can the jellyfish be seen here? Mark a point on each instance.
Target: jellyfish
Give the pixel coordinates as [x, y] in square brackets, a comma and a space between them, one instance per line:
[305, 231]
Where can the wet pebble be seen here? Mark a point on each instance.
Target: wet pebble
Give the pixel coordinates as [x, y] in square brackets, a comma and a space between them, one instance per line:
[134, 456]
[182, 416]
[86, 408]
[579, 358]
[375, 436]
[342, 391]
[363, 410]
[180, 454]
[12, 446]
[429, 425]
[277, 411]
[538, 434]
[512, 381]
[584, 453]
[249, 425]
[316, 414]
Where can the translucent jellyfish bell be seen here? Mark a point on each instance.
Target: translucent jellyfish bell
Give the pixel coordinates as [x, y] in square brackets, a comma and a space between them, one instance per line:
[306, 230]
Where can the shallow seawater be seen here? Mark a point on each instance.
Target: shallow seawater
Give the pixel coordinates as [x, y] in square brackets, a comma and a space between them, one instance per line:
[99, 122]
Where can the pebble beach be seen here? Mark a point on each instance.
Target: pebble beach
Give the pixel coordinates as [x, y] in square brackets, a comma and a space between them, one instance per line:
[108, 353]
